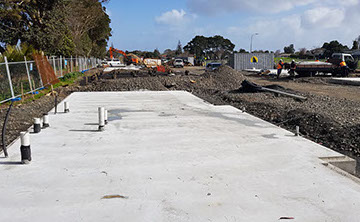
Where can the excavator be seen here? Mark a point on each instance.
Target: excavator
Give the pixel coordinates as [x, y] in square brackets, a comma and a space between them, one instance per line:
[134, 59]
[129, 58]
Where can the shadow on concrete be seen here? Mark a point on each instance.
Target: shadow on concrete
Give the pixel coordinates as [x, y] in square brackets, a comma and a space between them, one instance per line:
[270, 136]
[11, 163]
[91, 124]
[85, 131]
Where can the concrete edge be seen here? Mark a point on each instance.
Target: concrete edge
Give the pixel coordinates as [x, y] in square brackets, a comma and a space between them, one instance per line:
[344, 82]
[343, 165]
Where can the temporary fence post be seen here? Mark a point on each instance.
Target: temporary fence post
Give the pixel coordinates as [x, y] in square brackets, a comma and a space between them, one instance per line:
[9, 77]
[28, 74]
[41, 82]
[61, 66]
[54, 65]
[71, 64]
[66, 65]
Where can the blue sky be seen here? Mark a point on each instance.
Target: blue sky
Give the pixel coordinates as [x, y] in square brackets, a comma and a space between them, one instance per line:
[150, 24]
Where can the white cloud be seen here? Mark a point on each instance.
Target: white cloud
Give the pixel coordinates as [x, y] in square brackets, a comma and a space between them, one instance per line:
[211, 7]
[174, 18]
[323, 17]
[306, 23]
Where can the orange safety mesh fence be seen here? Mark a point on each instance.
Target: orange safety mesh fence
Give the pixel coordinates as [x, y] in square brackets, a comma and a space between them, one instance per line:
[46, 71]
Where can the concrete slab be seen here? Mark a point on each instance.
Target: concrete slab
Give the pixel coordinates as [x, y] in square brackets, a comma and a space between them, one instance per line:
[169, 156]
[346, 81]
[284, 72]
[130, 68]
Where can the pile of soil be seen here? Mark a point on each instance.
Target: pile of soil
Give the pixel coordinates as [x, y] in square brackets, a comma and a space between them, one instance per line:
[225, 78]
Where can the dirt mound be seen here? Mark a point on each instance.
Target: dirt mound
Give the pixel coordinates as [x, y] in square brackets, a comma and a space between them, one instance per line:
[225, 77]
[127, 84]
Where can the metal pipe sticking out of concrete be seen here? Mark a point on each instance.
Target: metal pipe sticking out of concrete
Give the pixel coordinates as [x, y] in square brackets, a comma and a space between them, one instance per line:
[66, 107]
[37, 125]
[297, 131]
[106, 116]
[101, 118]
[46, 121]
[25, 148]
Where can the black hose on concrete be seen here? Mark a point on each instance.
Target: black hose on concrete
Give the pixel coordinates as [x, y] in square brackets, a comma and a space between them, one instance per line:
[4, 129]
[56, 103]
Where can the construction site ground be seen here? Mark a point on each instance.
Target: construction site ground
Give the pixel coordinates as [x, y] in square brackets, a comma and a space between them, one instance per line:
[330, 116]
[170, 156]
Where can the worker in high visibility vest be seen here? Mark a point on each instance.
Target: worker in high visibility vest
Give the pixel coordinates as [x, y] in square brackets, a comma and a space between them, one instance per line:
[280, 67]
[344, 68]
[292, 69]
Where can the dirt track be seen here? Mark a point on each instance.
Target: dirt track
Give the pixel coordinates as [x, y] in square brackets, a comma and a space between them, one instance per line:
[330, 116]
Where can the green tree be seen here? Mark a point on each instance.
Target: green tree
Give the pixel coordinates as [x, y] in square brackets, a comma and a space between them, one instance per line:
[333, 47]
[178, 50]
[215, 47]
[243, 51]
[38, 23]
[169, 53]
[57, 27]
[355, 45]
[157, 53]
[289, 49]
[89, 25]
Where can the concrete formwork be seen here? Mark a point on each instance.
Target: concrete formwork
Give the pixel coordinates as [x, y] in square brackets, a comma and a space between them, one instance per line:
[169, 156]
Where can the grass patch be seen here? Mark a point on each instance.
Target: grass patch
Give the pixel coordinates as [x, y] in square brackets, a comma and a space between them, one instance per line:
[68, 79]
[289, 60]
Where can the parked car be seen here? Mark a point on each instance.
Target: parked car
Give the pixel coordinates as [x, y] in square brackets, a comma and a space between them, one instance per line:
[213, 66]
[179, 63]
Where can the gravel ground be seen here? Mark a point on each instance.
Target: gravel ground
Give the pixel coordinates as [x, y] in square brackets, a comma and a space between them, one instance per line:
[333, 121]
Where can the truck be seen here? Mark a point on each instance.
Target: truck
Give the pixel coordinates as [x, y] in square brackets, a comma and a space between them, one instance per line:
[331, 66]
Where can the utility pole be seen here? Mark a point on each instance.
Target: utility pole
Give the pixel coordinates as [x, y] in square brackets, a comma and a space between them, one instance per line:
[251, 42]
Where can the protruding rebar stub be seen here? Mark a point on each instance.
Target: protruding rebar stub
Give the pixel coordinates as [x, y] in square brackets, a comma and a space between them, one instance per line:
[46, 121]
[101, 118]
[66, 107]
[106, 117]
[25, 148]
[297, 133]
[37, 125]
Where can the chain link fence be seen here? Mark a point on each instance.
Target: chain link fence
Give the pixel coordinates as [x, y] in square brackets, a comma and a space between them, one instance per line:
[20, 78]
